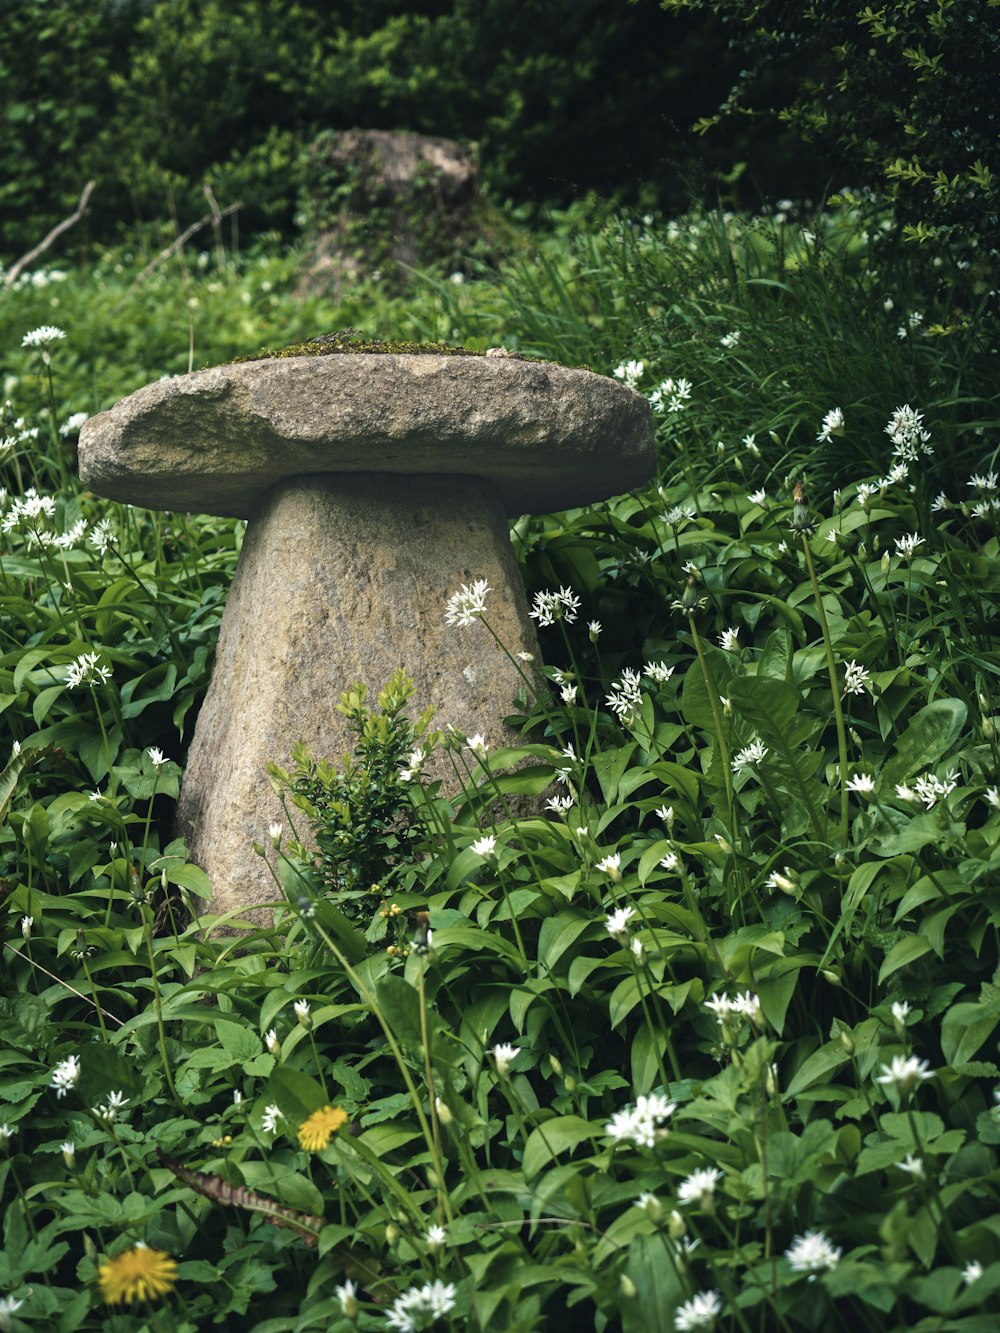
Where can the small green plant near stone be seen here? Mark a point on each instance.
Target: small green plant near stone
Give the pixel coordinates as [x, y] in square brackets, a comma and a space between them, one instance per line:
[360, 815]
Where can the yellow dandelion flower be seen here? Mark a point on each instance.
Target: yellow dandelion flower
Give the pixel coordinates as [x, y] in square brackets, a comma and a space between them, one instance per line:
[316, 1132]
[140, 1274]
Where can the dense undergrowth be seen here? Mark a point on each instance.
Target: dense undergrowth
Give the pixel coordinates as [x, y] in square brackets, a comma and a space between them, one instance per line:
[709, 1039]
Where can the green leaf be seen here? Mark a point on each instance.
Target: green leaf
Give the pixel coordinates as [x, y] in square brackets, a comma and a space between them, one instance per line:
[236, 1040]
[925, 740]
[966, 1027]
[548, 1140]
[903, 952]
[653, 1273]
[297, 1094]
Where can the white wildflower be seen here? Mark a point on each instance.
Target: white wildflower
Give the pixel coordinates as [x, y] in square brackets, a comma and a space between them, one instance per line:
[906, 546]
[505, 1054]
[658, 672]
[617, 923]
[302, 1013]
[435, 1238]
[477, 744]
[729, 640]
[972, 1272]
[87, 669]
[467, 605]
[856, 678]
[485, 846]
[269, 1119]
[271, 1042]
[548, 607]
[905, 1073]
[700, 1311]
[699, 1187]
[610, 865]
[44, 337]
[833, 424]
[812, 1253]
[643, 1124]
[862, 784]
[418, 1307]
[629, 372]
[754, 753]
[66, 1075]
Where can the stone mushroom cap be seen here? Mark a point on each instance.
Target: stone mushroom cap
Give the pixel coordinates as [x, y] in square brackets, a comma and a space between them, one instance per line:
[217, 441]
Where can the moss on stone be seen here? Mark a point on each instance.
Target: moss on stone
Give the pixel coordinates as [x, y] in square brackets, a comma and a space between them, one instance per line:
[334, 344]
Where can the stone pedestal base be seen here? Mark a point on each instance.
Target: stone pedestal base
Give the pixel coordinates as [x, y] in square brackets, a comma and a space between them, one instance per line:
[344, 578]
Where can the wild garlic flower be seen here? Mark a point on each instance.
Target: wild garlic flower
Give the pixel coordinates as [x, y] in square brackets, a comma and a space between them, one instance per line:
[812, 1253]
[548, 607]
[856, 678]
[9, 1305]
[930, 789]
[758, 497]
[467, 605]
[68, 1150]
[412, 769]
[862, 784]
[729, 640]
[66, 1075]
[485, 846]
[908, 436]
[269, 1119]
[568, 694]
[625, 698]
[658, 672]
[669, 862]
[477, 744]
[912, 1166]
[730, 340]
[156, 757]
[271, 1042]
[611, 866]
[420, 1307]
[972, 1272]
[87, 669]
[6, 1134]
[754, 753]
[699, 1187]
[594, 629]
[108, 1112]
[678, 515]
[833, 424]
[435, 1238]
[701, 1311]
[303, 1013]
[26, 924]
[906, 546]
[781, 880]
[671, 395]
[347, 1294]
[643, 1124]
[984, 483]
[629, 372]
[560, 805]
[505, 1054]
[993, 797]
[44, 337]
[905, 1073]
[617, 923]
[666, 813]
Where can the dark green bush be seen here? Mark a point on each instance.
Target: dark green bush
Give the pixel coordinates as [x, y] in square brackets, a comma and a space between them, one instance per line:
[902, 97]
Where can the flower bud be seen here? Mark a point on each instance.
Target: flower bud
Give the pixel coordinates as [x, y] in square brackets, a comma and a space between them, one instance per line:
[69, 1155]
[444, 1114]
[676, 1225]
[627, 1287]
[391, 1234]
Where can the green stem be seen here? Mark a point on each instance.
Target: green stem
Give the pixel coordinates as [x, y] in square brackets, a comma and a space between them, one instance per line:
[831, 667]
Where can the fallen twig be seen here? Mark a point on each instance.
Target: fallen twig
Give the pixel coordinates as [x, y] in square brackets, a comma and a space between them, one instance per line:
[176, 245]
[14, 271]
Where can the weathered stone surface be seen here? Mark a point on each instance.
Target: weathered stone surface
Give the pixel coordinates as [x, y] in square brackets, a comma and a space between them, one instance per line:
[343, 579]
[378, 198]
[218, 440]
[376, 485]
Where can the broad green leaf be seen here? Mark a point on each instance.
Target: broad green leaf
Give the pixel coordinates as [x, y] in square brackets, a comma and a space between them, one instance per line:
[658, 1291]
[555, 1136]
[931, 732]
[966, 1027]
[903, 952]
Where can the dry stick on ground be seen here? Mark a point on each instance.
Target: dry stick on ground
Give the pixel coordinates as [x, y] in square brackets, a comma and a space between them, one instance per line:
[14, 271]
[174, 246]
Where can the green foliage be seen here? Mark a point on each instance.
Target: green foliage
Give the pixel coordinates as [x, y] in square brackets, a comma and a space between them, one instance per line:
[168, 95]
[708, 1028]
[360, 814]
[902, 94]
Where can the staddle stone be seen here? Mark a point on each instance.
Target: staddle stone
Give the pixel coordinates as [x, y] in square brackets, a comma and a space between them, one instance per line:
[375, 486]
